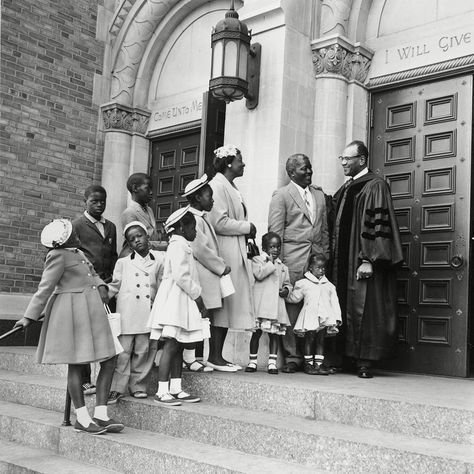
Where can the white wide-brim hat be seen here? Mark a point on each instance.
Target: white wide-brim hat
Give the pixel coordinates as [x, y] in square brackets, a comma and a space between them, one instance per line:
[195, 185]
[56, 233]
[135, 224]
[175, 217]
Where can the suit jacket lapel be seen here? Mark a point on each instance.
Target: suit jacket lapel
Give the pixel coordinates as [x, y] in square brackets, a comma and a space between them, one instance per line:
[298, 200]
[234, 201]
[92, 226]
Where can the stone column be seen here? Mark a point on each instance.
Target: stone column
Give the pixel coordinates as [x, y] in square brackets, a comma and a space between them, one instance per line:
[340, 68]
[124, 149]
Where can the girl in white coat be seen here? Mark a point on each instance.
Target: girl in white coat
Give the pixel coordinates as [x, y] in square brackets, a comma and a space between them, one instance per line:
[320, 315]
[176, 314]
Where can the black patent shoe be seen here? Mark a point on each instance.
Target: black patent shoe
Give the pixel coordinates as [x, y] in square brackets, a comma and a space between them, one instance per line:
[310, 369]
[364, 373]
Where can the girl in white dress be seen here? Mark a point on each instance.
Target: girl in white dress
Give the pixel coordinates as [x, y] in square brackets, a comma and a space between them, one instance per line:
[176, 316]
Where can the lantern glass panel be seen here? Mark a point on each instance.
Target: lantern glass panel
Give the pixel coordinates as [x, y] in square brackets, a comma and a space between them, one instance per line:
[217, 59]
[230, 59]
[243, 58]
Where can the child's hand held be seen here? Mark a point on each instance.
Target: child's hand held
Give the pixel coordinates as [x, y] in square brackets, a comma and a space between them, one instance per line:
[23, 322]
[284, 292]
[104, 294]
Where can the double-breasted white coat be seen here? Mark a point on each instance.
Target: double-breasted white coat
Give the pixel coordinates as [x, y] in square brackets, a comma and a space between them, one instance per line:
[209, 263]
[135, 282]
[321, 305]
[229, 219]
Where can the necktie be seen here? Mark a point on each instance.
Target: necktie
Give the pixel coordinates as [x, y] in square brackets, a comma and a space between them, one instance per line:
[100, 228]
[307, 201]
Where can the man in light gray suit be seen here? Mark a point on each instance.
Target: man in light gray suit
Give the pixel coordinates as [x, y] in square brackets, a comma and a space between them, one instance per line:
[298, 215]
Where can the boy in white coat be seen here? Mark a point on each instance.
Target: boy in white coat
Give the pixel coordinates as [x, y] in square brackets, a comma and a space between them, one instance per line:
[136, 280]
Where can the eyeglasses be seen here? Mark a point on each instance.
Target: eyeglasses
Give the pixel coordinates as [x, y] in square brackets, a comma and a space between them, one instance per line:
[349, 158]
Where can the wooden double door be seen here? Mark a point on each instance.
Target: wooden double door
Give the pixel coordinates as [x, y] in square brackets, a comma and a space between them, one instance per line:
[421, 141]
[177, 159]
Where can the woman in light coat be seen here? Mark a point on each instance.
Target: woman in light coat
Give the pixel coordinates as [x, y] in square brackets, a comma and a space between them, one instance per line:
[229, 219]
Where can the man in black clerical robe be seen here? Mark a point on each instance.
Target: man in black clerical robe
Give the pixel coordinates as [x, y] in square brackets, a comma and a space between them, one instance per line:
[367, 251]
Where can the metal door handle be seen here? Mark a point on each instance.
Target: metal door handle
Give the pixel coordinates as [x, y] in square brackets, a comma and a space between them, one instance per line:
[457, 261]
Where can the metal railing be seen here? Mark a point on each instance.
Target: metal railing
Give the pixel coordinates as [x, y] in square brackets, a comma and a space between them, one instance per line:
[67, 404]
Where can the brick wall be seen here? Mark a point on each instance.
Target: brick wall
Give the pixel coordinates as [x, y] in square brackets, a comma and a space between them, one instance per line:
[50, 145]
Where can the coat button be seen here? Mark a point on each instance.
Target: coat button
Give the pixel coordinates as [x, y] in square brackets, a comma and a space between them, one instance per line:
[136, 274]
[147, 296]
[89, 275]
[138, 285]
[147, 285]
[138, 297]
[94, 287]
[147, 274]
[83, 261]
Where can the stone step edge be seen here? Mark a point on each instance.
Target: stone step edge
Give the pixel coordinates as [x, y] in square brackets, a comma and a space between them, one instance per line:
[29, 460]
[290, 423]
[154, 443]
[29, 352]
[445, 435]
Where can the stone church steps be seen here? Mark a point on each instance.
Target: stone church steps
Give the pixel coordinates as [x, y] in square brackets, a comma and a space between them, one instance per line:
[334, 447]
[281, 417]
[20, 459]
[427, 407]
[423, 406]
[133, 451]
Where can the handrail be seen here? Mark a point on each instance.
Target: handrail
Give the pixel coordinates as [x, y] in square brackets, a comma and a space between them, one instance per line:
[67, 404]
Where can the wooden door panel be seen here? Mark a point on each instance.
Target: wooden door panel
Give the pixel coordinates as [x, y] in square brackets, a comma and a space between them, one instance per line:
[174, 163]
[421, 143]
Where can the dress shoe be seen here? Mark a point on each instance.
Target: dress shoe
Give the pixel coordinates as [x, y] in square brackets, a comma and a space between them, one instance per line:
[111, 425]
[91, 429]
[222, 368]
[290, 368]
[310, 369]
[331, 369]
[364, 373]
[320, 370]
[272, 369]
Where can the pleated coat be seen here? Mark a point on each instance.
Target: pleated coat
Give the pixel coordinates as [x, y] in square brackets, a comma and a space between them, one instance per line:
[229, 219]
[75, 329]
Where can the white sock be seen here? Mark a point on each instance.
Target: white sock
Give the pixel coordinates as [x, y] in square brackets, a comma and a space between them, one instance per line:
[100, 412]
[319, 359]
[175, 386]
[272, 359]
[163, 388]
[83, 416]
[189, 355]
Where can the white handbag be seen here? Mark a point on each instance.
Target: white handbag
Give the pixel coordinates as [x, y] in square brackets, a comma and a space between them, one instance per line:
[226, 285]
[115, 327]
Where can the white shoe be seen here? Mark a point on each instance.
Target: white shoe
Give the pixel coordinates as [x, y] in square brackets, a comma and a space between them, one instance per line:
[222, 368]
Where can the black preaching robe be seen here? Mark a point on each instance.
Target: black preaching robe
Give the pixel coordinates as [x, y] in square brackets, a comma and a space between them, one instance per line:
[365, 228]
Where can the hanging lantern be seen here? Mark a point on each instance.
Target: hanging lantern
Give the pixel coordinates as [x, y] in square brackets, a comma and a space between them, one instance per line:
[235, 63]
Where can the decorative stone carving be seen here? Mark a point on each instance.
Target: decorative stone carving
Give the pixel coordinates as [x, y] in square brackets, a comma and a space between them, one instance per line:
[122, 118]
[133, 45]
[335, 17]
[336, 55]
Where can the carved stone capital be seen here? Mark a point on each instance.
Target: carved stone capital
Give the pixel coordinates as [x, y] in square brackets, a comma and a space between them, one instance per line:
[336, 55]
[118, 117]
